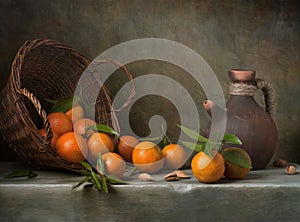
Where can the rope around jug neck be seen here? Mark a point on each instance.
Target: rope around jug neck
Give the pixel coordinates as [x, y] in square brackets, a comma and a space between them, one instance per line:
[243, 89]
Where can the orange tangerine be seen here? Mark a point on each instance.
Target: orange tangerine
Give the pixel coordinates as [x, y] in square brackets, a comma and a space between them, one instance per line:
[75, 113]
[147, 157]
[114, 164]
[99, 143]
[232, 170]
[71, 147]
[174, 155]
[81, 125]
[208, 169]
[125, 147]
[59, 123]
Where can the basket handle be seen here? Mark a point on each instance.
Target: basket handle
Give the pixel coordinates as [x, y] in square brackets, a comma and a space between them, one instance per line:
[42, 113]
[130, 77]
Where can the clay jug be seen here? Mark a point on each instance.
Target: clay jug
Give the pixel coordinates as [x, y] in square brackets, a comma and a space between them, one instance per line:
[245, 118]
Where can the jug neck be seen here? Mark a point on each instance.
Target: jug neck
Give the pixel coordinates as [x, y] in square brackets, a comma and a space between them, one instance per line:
[243, 82]
[242, 76]
[242, 89]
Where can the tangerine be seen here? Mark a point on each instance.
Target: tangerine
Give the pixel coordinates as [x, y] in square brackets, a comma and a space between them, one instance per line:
[75, 113]
[59, 123]
[81, 125]
[234, 171]
[71, 147]
[174, 155]
[99, 143]
[147, 157]
[114, 164]
[125, 147]
[54, 138]
[208, 169]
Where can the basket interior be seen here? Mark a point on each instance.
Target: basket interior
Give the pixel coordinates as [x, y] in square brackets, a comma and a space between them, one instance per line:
[49, 73]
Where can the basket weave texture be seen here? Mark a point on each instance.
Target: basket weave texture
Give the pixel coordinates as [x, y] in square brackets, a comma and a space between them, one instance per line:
[43, 69]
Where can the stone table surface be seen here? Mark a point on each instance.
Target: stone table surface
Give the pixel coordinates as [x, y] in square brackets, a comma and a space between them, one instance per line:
[265, 195]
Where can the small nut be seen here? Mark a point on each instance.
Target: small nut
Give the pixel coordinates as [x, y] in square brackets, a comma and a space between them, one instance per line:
[290, 170]
[171, 177]
[145, 177]
[176, 175]
[181, 174]
[279, 163]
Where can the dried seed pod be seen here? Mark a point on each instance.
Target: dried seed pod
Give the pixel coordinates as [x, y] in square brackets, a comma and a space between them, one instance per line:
[279, 163]
[181, 174]
[290, 170]
[145, 177]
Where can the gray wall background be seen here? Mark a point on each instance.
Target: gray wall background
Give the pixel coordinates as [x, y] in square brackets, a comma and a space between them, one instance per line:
[260, 35]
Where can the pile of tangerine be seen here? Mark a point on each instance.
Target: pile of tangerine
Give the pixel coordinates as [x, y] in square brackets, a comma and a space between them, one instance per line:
[73, 143]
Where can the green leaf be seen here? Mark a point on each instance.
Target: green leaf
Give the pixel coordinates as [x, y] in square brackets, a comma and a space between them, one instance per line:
[52, 101]
[151, 139]
[86, 165]
[32, 175]
[164, 142]
[114, 180]
[96, 180]
[85, 172]
[104, 184]
[85, 179]
[231, 138]
[209, 146]
[216, 135]
[236, 158]
[193, 146]
[100, 164]
[103, 128]
[166, 139]
[193, 134]
[21, 173]
[212, 145]
[64, 105]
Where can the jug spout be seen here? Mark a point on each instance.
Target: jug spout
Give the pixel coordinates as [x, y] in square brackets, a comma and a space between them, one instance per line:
[211, 107]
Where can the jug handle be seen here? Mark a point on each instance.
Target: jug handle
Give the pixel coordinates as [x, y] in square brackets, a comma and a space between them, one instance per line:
[269, 95]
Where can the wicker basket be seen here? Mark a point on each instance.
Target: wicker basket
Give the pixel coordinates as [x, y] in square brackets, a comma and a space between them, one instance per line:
[45, 69]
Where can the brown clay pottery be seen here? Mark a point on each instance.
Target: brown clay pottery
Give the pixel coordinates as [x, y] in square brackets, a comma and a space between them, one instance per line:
[245, 118]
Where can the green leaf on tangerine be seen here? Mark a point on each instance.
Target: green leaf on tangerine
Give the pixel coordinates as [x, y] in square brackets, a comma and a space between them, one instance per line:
[63, 105]
[210, 146]
[103, 128]
[193, 134]
[236, 158]
[193, 146]
[231, 138]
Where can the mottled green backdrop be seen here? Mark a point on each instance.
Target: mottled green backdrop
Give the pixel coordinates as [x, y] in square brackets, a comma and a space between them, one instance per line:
[260, 35]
